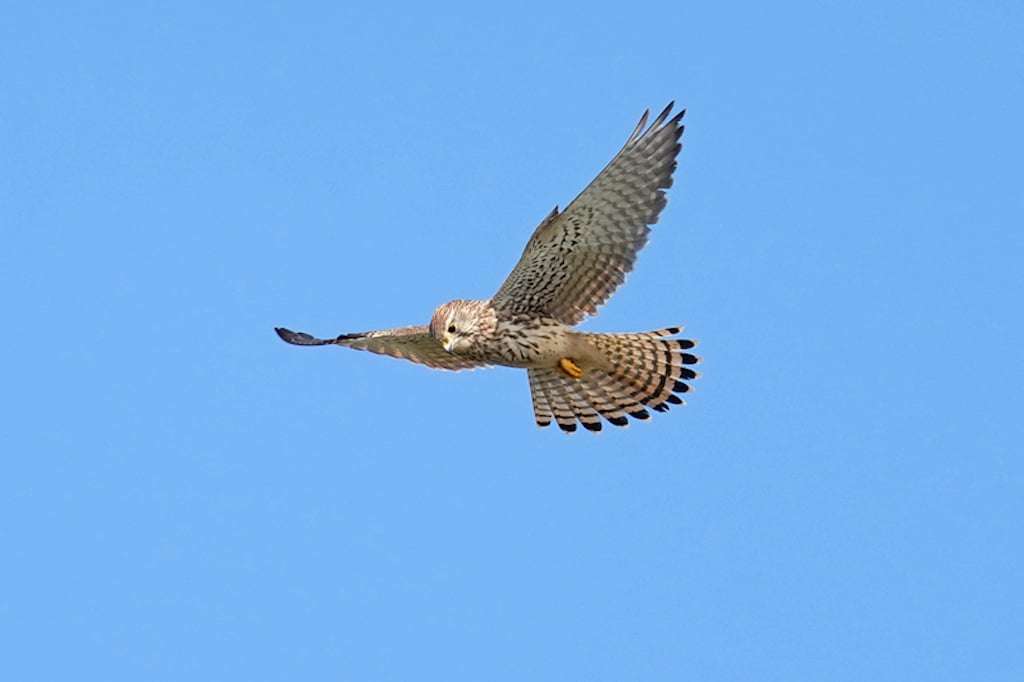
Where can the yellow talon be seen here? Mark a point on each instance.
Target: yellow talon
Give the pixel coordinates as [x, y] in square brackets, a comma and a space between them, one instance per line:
[570, 368]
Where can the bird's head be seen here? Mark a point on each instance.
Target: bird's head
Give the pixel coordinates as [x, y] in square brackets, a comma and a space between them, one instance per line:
[455, 324]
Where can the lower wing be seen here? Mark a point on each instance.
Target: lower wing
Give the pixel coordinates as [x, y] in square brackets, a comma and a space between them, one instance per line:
[409, 343]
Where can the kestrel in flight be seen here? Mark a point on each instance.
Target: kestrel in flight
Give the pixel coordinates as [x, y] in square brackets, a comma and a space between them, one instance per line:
[572, 264]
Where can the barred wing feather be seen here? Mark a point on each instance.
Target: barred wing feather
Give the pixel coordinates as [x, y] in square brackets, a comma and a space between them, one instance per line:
[408, 343]
[576, 259]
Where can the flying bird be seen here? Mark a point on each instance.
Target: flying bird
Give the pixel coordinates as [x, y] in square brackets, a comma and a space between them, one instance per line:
[572, 264]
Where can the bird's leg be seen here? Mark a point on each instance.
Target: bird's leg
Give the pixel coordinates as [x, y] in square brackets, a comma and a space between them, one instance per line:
[570, 368]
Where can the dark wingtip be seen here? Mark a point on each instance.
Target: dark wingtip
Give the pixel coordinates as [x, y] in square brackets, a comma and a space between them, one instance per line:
[568, 428]
[619, 421]
[298, 338]
[592, 426]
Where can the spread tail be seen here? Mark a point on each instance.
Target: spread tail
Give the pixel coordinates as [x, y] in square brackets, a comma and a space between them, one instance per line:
[641, 370]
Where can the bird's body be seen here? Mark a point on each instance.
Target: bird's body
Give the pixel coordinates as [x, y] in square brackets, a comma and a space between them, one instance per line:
[572, 263]
[495, 338]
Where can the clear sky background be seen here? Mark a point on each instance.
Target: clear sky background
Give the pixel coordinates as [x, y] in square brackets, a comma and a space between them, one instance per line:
[185, 497]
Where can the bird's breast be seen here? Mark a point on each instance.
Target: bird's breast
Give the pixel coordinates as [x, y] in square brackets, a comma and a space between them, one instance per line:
[524, 341]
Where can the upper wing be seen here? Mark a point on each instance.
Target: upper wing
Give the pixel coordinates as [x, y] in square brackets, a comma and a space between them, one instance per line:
[575, 260]
[410, 343]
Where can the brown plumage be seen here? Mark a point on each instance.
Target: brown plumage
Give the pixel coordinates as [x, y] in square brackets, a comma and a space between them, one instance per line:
[639, 371]
[571, 265]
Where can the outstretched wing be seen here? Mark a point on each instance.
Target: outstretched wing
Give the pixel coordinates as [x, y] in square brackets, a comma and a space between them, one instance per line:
[576, 259]
[410, 343]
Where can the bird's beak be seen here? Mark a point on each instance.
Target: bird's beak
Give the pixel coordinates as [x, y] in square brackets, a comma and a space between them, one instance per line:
[448, 343]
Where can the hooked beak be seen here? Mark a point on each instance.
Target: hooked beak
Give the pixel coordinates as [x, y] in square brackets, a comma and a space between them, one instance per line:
[448, 342]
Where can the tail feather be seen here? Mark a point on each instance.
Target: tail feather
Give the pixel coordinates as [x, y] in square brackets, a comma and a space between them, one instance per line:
[640, 371]
[620, 392]
[564, 410]
[548, 400]
[583, 405]
[605, 401]
[541, 403]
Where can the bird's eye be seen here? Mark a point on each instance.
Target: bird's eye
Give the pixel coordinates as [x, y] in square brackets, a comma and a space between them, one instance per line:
[451, 329]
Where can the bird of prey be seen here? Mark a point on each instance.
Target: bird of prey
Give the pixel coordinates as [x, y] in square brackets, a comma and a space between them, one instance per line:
[573, 263]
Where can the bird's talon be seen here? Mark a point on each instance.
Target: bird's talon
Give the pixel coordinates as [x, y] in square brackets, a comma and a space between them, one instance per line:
[570, 368]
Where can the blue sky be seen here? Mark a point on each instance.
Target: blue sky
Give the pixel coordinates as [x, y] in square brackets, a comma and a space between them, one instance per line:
[186, 497]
